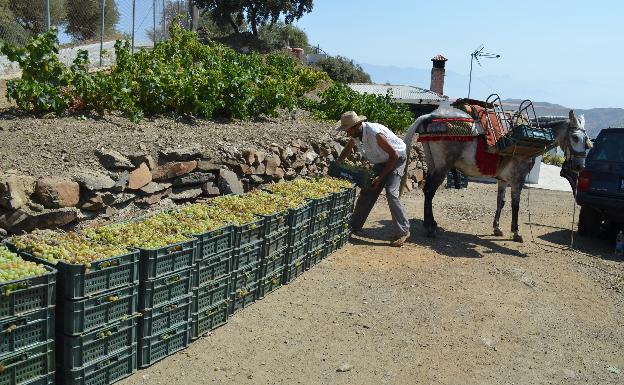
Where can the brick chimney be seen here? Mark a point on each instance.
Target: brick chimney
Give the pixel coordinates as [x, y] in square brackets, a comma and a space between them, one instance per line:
[437, 74]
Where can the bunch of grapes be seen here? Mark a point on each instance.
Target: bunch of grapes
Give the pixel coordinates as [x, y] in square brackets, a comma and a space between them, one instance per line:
[12, 267]
[68, 247]
[153, 233]
[355, 168]
[310, 188]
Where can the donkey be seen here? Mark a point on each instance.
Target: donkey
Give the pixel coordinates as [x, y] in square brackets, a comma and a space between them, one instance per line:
[444, 155]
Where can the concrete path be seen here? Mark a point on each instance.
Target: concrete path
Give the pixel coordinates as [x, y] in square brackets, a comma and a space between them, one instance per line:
[549, 179]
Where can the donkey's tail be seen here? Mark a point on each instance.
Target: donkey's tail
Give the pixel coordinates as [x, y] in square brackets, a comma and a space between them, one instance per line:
[412, 133]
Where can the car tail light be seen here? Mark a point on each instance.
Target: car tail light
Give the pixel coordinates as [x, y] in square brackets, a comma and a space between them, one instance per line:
[584, 181]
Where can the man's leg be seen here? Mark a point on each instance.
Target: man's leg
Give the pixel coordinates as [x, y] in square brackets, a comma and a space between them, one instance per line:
[365, 202]
[399, 216]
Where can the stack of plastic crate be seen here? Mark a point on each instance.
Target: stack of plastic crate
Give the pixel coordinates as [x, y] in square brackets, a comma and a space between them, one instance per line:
[27, 330]
[165, 300]
[299, 253]
[246, 264]
[95, 318]
[277, 232]
[211, 280]
[339, 222]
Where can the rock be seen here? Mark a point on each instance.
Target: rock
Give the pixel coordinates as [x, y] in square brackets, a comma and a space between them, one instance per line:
[154, 187]
[257, 179]
[182, 154]
[121, 182]
[3, 233]
[259, 157]
[420, 175]
[179, 194]
[249, 156]
[244, 169]
[312, 168]
[98, 201]
[290, 174]
[324, 152]
[56, 192]
[138, 159]
[123, 198]
[172, 170]
[140, 177]
[278, 173]
[113, 160]
[271, 164]
[207, 166]
[15, 190]
[344, 368]
[153, 198]
[310, 156]
[36, 207]
[337, 149]
[298, 164]
[210, 189]
[24, 219]
[259, 170]
[286, 153]
[229, 183]
[94, 181]
[194, 178]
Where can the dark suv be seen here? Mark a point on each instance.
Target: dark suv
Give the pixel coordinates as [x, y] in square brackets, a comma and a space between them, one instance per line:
[600, 189]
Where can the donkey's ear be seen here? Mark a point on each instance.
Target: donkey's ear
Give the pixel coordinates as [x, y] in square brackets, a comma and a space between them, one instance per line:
[573, 120]
[581, 121]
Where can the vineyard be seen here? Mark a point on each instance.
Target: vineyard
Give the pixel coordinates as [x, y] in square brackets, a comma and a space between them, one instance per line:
[160, 282]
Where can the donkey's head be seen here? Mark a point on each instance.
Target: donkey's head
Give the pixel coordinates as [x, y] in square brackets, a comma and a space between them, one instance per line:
[575, 142]
[571, 137]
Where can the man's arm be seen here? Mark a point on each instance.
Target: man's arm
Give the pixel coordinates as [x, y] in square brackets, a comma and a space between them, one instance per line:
[347, 150]
[393, 158]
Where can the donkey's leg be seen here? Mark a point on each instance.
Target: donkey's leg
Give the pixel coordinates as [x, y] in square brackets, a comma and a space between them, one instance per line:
[500, 203]
[516, 190]
[433, 181]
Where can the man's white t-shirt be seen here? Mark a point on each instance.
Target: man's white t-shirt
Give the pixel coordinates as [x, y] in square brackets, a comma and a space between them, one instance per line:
[368, 145]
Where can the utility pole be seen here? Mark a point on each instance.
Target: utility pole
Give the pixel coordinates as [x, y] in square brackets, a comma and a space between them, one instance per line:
[47, 15]
[102, 30]
[154, 9]
[133, 16]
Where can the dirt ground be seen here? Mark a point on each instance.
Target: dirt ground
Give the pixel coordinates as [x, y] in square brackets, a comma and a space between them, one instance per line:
[463, 308]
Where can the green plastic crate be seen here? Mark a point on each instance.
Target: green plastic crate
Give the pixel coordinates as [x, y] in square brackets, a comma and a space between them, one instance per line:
[317, 240]
[275, 223]
[156, 263]
[21, 332]
[208, 270]
[243, 297]
[76, 281]
[271, 282]
[155, 348]
[214, 242]
[105, 372]
[274, 243]
[320, 205]
[296, 252]
[211, 295]
[295, 269]
[300, 215]
[248, 233]
[208, 320]
[299, 233]
[245, 276]
[28, 366]
[160, 291]
[248, 254]
[77, 317]
[319, 223]
[316, 255]
[361, 176]
[167, 316]
[26, 295]
[74, 352]
[274, 263]
[336, 243]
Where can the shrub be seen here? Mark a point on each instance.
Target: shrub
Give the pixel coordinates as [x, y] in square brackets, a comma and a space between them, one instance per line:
[556, 160]
[343, 70]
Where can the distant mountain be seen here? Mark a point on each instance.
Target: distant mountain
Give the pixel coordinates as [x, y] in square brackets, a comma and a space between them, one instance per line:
[595, 118]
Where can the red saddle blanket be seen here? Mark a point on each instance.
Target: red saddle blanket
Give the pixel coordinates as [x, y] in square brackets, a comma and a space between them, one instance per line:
[487, 163]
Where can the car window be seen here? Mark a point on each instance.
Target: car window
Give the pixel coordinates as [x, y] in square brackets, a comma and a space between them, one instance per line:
[609, 147]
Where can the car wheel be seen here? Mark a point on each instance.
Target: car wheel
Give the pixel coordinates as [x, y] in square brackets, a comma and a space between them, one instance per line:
[589, 222]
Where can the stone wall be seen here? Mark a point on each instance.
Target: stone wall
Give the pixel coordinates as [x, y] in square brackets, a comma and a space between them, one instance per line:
[139, 182]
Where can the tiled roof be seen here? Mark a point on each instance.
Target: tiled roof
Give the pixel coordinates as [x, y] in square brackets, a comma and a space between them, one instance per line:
[439, 58]
[402, 94]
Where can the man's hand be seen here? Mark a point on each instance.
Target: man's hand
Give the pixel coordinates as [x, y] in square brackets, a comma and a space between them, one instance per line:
[376, 183]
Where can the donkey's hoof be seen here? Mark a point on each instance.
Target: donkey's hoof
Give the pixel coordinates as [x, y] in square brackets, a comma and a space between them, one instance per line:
[518, 238]
[498, 232]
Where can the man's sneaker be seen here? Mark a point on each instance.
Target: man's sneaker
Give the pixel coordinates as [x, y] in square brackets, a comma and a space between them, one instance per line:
[400, 240]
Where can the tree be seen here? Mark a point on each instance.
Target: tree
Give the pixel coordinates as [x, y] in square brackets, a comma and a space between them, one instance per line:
[280, 35]
[343, 70]
[83, 18]
[20, 20]
[255, 12]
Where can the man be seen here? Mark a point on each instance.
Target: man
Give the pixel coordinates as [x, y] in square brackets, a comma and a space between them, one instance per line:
[387, 152]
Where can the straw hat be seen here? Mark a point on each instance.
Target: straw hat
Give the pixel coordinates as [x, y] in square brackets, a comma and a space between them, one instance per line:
[348, 120]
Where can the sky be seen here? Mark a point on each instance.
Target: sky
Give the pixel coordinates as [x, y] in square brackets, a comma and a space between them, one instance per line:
[564, 52]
